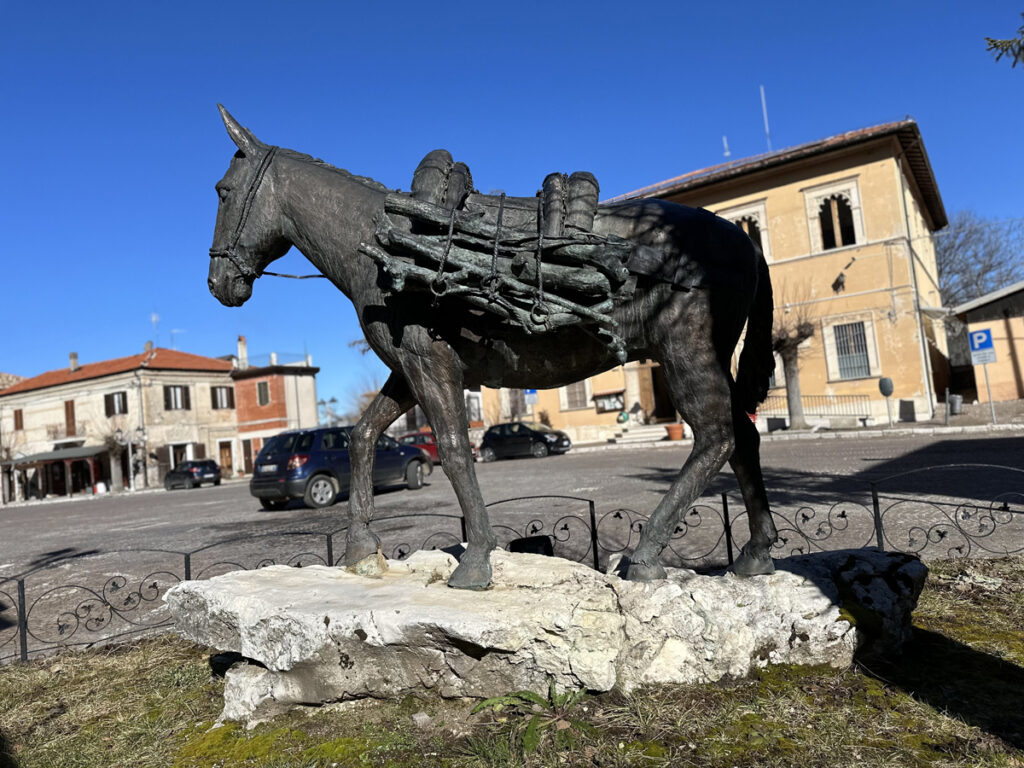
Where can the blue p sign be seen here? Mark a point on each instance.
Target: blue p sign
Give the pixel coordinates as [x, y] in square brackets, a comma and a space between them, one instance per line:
[981, 340]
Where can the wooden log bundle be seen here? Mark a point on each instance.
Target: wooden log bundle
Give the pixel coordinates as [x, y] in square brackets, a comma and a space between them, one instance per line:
[535, 283]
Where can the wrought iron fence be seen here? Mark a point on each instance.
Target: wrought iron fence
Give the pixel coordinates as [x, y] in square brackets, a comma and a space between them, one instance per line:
[76, 602]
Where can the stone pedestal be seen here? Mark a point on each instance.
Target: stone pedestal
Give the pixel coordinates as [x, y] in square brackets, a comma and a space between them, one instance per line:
[322, 634]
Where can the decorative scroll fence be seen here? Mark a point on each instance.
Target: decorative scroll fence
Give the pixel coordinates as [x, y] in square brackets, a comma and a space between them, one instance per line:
[77, 602]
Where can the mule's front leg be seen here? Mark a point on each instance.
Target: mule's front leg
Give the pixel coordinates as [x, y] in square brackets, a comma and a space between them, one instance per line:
[438, 389]
[392, 401]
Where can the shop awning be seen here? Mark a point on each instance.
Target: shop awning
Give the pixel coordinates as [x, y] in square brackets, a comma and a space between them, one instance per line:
[69, 454]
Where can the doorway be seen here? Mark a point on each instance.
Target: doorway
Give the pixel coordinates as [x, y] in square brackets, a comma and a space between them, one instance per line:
[227, 460]
[247, 456]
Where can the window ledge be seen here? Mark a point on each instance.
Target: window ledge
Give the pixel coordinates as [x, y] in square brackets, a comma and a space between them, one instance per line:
[869, 377]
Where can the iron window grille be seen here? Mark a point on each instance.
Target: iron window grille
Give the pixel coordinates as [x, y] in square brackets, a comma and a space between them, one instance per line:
[852, 351]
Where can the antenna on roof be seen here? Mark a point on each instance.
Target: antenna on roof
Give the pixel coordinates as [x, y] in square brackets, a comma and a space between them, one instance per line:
[725, 143]
[154, 318]
[764, 111]
[174, 331]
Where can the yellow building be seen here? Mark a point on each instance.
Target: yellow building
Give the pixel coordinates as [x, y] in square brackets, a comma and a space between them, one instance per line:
[845, 224]
[999, 316]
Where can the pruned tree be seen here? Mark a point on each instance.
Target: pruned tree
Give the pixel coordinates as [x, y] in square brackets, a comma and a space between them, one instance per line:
[1012, 48]
[360, 397]
[793, 326]
[976, 255]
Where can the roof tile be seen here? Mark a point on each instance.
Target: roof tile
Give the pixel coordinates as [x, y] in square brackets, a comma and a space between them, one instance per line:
[156, 359]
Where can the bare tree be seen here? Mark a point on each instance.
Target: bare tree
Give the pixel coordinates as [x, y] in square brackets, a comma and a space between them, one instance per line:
[360, 397]
[793, 326]
[976, 255]
[1012, 48]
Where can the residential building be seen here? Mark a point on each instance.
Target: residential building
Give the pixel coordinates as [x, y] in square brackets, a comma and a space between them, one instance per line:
[270, 398]
[845, 224]
[71, 430]
[1001, 315]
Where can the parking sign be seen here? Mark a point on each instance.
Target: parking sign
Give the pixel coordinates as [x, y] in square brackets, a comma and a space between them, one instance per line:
[982, 349]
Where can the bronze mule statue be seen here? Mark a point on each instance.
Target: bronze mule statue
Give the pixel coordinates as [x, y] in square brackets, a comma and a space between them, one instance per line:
[688, 317]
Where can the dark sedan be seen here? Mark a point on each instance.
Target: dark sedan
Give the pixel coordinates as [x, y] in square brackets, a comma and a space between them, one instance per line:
[522, 439]
[192, 474]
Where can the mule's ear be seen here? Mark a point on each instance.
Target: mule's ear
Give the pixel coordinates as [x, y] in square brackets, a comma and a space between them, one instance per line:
[242, 137]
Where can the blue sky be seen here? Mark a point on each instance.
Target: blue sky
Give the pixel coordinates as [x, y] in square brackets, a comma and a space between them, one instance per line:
[112, 142]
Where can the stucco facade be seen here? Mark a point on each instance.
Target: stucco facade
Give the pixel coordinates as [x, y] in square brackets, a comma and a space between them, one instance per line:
[845, 224]
[1001, 313]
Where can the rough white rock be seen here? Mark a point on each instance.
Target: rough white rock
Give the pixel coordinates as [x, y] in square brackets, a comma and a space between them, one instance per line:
[325, 634]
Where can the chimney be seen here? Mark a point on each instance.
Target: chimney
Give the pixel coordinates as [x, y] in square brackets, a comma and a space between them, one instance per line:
[148, 347]
[73, 361]
[273, 358]
[243, 353]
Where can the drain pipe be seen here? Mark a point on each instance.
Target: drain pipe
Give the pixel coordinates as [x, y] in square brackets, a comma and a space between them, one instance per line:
[926, 367]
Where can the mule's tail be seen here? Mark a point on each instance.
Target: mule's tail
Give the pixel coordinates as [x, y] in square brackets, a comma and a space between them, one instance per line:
[757, 360]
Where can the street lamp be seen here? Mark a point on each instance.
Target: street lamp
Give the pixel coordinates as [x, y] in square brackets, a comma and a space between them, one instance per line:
[129, 439]
[328, 406]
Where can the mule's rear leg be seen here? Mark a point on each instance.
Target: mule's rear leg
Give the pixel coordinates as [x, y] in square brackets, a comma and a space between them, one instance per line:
[392, 401]
[700, 392]
[755, 558]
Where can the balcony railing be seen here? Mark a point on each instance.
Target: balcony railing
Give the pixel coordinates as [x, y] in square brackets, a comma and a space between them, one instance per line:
[61, 432]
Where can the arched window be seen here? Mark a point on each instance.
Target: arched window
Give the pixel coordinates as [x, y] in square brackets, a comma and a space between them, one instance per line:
[749, 225]
[836, 217]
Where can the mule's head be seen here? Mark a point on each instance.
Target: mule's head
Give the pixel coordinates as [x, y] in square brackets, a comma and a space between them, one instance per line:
[248, 234]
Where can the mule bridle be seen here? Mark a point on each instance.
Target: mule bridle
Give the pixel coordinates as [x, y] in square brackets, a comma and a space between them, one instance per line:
[247, 204]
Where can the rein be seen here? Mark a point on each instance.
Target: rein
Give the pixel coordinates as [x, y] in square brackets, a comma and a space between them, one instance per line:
[250, 198]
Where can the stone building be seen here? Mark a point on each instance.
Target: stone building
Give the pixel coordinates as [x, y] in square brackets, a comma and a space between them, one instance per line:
[845, 224]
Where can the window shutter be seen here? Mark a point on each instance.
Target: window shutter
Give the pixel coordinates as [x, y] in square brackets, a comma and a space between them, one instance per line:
[186, 403]
[108, 402]
[231, 397]
[19, 420]
[69, 418]
[167, 398]
[213, 398]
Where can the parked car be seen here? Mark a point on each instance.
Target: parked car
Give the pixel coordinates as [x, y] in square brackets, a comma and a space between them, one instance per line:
[192, 474]
[424, 440]
[522, 439]
[313, 465]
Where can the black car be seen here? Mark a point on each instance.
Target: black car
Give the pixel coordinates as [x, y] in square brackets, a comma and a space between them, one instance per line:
[522, 439]
[313, 465]
[192, 474]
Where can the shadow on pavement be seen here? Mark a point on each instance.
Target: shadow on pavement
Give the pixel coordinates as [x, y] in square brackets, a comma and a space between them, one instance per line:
[60, 554]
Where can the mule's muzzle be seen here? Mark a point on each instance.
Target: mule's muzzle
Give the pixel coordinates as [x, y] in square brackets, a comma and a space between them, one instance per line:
[231, 288]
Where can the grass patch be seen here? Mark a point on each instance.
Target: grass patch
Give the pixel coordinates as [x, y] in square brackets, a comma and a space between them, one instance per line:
[952, 699]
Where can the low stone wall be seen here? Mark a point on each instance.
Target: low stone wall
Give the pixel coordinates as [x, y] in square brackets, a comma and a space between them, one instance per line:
[323, 634]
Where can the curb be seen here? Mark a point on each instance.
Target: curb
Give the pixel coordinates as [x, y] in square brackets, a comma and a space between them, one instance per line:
[929, 431]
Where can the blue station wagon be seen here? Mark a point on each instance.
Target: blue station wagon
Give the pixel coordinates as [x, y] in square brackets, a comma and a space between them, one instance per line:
[313, 465]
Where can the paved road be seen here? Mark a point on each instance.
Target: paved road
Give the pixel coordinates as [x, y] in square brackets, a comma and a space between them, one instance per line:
[798, 473]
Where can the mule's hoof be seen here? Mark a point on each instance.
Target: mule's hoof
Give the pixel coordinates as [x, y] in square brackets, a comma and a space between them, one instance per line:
[471, 574]
[758, 564]
[646, 572]
[360, 543]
